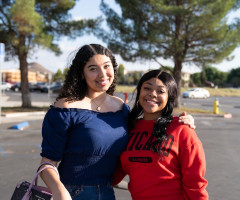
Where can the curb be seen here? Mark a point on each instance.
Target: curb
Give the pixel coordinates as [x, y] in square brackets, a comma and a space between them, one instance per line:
[22, 114]
[226, 115]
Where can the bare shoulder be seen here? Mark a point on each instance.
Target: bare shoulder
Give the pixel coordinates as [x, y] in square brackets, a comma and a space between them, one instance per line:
[61, 103]
[117, 102]
[117, 99]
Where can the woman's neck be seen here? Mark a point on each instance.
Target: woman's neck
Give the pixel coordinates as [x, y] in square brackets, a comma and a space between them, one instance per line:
[151, 116]
[97, 95]
[97, 100]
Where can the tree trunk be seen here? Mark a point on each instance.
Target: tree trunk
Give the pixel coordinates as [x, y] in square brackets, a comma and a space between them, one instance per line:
[178, 56]
[26, 98]
[177, 74]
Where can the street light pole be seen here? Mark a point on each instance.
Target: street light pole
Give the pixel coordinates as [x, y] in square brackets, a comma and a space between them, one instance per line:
[2, 54]
[49, 82]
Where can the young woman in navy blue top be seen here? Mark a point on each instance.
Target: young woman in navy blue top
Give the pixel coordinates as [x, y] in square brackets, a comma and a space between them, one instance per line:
[86, 128]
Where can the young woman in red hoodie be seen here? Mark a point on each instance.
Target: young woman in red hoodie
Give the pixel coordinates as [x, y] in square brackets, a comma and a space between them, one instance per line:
[164, 159]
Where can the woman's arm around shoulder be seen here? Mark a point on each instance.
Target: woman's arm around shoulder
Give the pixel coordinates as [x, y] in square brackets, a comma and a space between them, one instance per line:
[187, 119]
[51, 179]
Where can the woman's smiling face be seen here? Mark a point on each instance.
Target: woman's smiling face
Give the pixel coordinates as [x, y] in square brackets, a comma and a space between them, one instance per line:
[98, 73]
[153, 98]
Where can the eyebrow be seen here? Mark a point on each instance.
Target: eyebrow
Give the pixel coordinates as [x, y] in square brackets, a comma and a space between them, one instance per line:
[97, 65]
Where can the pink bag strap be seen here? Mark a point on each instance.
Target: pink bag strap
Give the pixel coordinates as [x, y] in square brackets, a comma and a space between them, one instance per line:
[48, 165]
[45, 163]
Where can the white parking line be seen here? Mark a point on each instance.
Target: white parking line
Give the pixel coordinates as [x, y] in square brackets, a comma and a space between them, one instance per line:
[4, 154]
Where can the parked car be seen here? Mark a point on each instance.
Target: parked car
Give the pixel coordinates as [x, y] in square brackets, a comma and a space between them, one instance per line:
[196, 93]
[45, 87]
[5, 86]
[17, 87]
[209, 84]
[56, 87]
[39, 86]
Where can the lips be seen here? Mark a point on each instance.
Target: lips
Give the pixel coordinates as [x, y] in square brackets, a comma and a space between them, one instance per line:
[102, 82]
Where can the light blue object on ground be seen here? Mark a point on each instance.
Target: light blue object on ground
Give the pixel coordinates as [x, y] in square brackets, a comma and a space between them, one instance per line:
[21, 126]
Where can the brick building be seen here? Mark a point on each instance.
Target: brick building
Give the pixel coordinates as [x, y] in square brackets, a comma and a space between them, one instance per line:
[36, 73]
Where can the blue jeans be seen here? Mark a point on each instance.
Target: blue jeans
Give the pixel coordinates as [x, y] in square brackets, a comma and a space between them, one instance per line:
[88, 192]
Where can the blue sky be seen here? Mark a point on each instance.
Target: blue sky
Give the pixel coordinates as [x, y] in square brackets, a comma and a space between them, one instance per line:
[90, 9]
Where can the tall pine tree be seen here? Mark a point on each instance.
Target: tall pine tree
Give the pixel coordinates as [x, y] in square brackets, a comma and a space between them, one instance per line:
[184, 31]
[28, 24]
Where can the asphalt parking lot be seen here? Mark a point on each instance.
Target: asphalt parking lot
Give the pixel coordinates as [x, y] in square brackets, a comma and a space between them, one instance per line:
[19, 150]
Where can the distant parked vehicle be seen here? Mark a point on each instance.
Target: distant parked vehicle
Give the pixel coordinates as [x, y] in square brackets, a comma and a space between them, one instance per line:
[196, 93]
[5, 86]
[39, 86]
[56, 87]
[17, 87]
[45, 87]
[209, 84]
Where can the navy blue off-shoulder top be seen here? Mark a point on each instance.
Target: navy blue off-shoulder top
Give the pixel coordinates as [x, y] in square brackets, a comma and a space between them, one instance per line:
[87, 143]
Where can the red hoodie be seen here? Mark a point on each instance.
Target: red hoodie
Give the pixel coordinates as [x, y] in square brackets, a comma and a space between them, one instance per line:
[175, 175]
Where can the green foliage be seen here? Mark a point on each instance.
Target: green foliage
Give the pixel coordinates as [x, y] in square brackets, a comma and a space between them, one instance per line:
[25, 17]
[167, 69]
[136, 77]
[203, 75]
[221, 78]
[195, 79]
[28, 24]
[121, 74]
[217, 77]
[65, 71]
[129, 80]
[234, 77]
[58, 76]
[194, 31]
[184, 31]
[211, 74]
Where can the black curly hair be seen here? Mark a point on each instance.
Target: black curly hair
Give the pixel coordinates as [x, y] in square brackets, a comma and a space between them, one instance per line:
[159, 130]
[75, 86]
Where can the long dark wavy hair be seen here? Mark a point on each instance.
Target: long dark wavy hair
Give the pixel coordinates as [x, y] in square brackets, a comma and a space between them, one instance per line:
[159, 130]
[75, 87]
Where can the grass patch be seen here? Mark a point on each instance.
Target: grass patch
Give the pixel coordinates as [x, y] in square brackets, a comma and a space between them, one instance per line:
[125, 88]
[194, 111]
[223, 92]
[20, 109]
